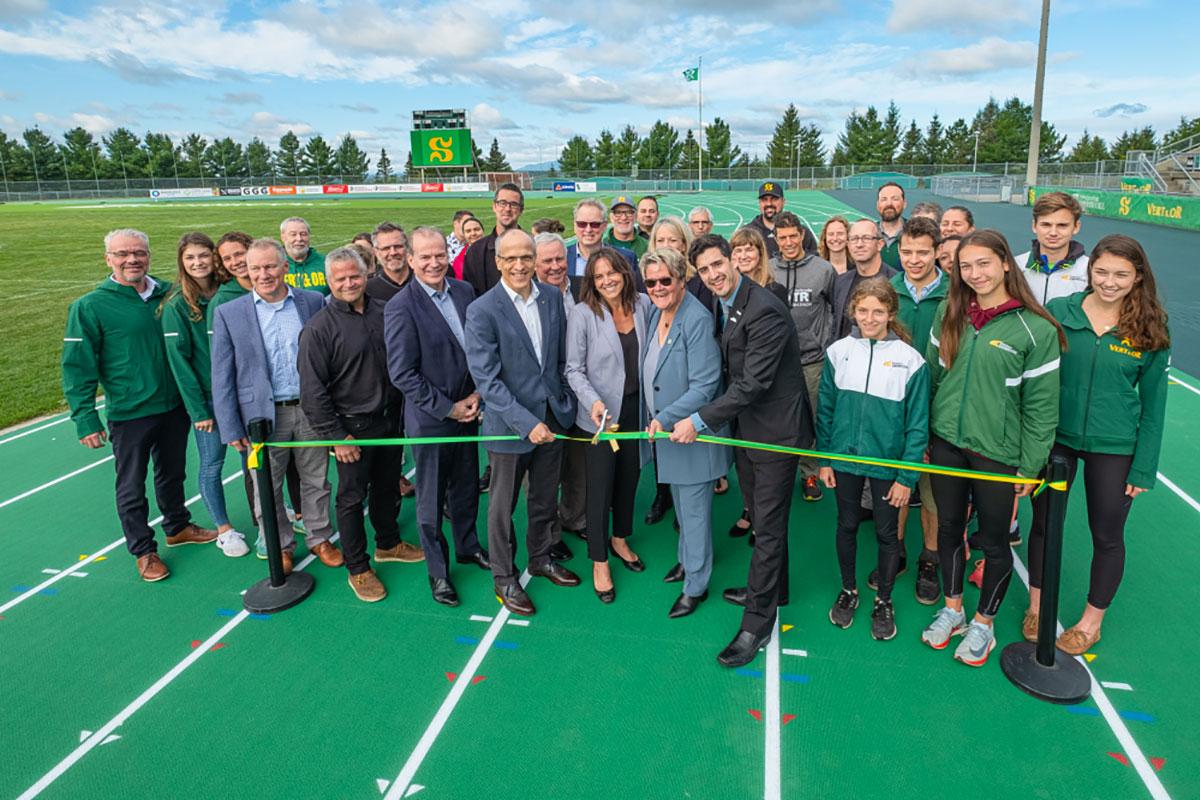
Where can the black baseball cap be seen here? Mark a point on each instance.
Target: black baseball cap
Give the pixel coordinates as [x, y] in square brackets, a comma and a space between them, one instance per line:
[771, 189]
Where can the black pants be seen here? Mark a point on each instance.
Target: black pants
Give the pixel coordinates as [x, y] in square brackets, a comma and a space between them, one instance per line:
[164, 438]
[1104, 479]
[612, 480]
[374, 477]
[850, 513]
[770, 496]
[543, 465]
[994, 504]
[448, 472]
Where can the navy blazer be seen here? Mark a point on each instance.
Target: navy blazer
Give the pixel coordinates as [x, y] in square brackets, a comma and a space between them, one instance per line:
[425, 361]
[517, 393]
[577, 280]
[241, 374]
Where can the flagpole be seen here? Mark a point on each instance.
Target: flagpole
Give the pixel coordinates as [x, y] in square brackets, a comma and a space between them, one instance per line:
[700, 114]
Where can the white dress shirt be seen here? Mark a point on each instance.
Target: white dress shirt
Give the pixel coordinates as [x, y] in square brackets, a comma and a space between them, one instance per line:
[527, 310]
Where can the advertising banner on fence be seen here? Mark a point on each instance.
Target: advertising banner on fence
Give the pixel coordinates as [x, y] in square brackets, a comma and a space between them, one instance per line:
[585, 186]
[310, 190]
[334, 188]
[431, 187]
[465, 187]
[169, 194]
[564, 186]
[275, 190]
[1157, 209]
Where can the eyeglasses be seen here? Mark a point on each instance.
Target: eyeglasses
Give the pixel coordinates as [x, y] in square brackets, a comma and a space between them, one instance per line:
[862, 239]
[585, 225]
[663, 282]
[124, 254]
[623, 212]
[517, 205]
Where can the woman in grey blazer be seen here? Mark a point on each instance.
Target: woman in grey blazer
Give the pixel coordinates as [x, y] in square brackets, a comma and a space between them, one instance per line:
[681, 371]
[605, 334]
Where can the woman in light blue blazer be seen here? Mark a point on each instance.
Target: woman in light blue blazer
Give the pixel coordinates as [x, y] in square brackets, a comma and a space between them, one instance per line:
[681, 371]
[606, 331]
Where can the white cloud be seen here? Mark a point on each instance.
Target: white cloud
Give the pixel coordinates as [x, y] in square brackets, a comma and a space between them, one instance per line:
[92, 123]
[17, 9]
[915, 16]
[489, 118]
[986, 55]
[270, 126]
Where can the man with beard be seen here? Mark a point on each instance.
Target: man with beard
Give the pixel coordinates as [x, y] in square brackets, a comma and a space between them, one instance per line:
[890, 202]
[770, 204]
[391, 248]
[479, 264]
[306, 267]
[623, 233]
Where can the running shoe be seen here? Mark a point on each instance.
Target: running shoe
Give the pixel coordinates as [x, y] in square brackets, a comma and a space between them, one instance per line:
[975, 647]
[260, 547]
[232, 544]
[812, 489]
[976, 578]
[928, 582]
[946, 624]
[873, 578]
[842, 613]
[883, 620]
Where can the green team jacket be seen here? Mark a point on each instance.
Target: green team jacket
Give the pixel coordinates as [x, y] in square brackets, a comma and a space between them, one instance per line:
[229, 290]
[1114, 396]
[638, 246]
[917, 318]
[307, 274]
[115, 339]
[187, 345]
[873, 401]
[1000, 398]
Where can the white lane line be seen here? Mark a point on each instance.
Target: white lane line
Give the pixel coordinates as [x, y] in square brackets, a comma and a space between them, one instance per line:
[1121, 687]
[480, 618]
[400, 786]
[58, 480]
[522, 623]
[1174, 377]
[1187, 498]
[1136, 757]
[42, 427]
[73, 568]
[101, 736]
[800, 653]
[772, 785]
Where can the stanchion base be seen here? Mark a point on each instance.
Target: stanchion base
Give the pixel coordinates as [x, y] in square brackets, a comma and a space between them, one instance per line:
[1066, 683]
[263, 598]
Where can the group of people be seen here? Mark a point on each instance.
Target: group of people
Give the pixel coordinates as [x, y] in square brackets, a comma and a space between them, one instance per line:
[916, 339]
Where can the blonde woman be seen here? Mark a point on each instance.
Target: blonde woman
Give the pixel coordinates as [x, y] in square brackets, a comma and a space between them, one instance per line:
[831, 246]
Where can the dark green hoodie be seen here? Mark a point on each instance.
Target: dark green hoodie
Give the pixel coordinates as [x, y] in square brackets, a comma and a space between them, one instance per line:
[114, 339]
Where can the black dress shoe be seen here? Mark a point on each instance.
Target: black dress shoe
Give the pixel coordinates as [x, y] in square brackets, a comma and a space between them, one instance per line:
[742, 650]
[736, 530]
[479, 559]
[557, 574]
[560, 552]
[659, 508]
[686, 604]
[515, 600]
[608, 595]
[485, 480]
[581, 532]
[443, 591]
[637, 565]
[675, 575]
[736, 595]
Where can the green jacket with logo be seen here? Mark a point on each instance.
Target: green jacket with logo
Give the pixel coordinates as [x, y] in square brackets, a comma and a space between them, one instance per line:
[639, 246]
[917, 317]
[1000, 397]
[1114, 395]
[114, 339]
[229, 290]
[187, 345]
[308, 274]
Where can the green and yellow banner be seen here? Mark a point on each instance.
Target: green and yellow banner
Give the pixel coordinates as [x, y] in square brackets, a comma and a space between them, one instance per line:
[1175, 211]
[441, 148]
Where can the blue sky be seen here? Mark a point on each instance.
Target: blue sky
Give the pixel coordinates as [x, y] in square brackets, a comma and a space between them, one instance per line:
[535, 72]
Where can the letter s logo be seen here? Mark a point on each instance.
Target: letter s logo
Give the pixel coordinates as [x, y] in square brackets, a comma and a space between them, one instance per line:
[440, 149]
[1124, 206]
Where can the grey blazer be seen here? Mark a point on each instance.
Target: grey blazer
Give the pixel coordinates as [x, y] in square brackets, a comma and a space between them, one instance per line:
[595, 363]
[241, 375]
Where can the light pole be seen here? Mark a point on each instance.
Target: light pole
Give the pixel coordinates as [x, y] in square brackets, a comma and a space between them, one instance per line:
[975, 157]
[1035, 126]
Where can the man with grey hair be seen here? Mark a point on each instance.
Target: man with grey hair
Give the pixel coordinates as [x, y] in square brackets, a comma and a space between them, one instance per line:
[590, 219]
[306, 267]
[114, 338]
[391, 249]
[346, 395]
[255, 375]
[929, 210]
[700, 220]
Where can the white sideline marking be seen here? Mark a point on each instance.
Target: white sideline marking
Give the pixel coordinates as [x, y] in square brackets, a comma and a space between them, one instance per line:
[1174, 379]
[400, 786]
[58, 480]
[1187, 498]
[74, 568]
[480, 618]
[772, 785]
[1122, 687]
[524, 623]
[800, 653]
[53, 571]
[43, 426]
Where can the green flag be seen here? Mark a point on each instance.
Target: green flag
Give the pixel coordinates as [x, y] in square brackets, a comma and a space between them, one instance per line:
[692, 74]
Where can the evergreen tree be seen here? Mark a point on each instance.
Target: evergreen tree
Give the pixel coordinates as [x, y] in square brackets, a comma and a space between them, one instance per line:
[82, 154]
[1004, 133]
[258, 159]
[781, 150]
[661, 149]
[719, 153]
[477, 158]
[1136, 139]
[126, 158]
[890, 143]
[496, 161]
[934, 147]
[161, 155]
[810, 148]
[287, 157]
[865, 140]
[1089, 148]
[689, 156]
[191, 164]
[912, 148]
[351, 161]
[224, 158]
[1185, 129]
[12, 159]
[576, 157]
[960, 142]
[45, 161]
[317, 160]
[625, 151]
[605, 153]
[383, 167]
[409, 174]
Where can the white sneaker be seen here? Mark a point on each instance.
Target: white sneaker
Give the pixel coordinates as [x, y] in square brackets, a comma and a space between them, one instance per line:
[233, 544]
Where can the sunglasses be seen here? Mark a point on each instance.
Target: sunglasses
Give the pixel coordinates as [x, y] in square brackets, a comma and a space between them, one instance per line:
[663, 282]
[585, 225]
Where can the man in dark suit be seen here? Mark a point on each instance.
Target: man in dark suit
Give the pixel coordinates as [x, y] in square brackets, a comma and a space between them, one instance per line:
[424, 329]
[590, 221]
[479, 264]
[766, 401]
[516, 350]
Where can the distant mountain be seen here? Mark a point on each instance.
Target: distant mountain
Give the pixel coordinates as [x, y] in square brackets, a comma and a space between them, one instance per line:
[540, 167]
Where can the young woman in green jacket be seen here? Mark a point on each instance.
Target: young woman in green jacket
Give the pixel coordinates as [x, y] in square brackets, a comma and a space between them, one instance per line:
[993, 358]
[1114, 397]
[185, 330]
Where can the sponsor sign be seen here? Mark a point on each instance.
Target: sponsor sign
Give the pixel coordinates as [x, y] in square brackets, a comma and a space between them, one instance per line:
[585, 186]
[431, 187]
[277, 190]
[168, 194]
[1171, 210]
[466, 187]
[334, 188]
[310, 190]
[564, 186]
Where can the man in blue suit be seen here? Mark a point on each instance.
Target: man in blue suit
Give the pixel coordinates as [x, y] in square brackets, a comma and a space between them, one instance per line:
[591, 218]
[516, 351]
[255, 345]
[423, 326]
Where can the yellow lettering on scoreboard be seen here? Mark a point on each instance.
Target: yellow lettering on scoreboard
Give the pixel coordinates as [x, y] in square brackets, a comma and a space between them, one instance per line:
[441, 149]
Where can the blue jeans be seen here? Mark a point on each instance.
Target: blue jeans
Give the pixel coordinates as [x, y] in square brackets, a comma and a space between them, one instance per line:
[212, 459]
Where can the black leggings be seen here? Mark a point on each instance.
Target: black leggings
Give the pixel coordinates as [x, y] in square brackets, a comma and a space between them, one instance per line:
[612, 480]
[849, 493]
[1104, 479]
[994, 503]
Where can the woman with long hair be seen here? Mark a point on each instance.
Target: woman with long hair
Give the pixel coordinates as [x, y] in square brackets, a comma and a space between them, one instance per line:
[751, 259]
[185, 328]
[993, 357]
[1114, 397]
[832, 245]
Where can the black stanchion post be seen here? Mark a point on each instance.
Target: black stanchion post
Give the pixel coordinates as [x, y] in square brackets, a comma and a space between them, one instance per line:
[1041, 669]
[279, 591]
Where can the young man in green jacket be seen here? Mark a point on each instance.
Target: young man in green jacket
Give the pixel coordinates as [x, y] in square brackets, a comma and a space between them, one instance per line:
[114, 338]
[306, 267]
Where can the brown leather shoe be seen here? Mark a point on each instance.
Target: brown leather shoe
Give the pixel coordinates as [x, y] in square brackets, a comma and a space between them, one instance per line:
[367, 586]
[1029, 626]
[403, 552]
[557, 574]
[1075, 641]
[407, 488]
[192, 534]
[287, 562]
[329, 555]
[152, 568]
